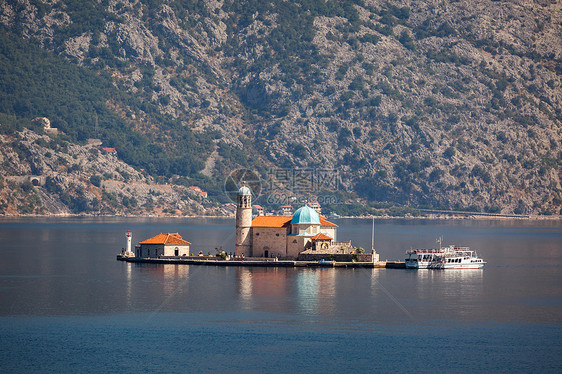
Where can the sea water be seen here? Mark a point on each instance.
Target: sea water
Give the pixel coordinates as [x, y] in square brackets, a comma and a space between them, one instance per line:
[67, 305]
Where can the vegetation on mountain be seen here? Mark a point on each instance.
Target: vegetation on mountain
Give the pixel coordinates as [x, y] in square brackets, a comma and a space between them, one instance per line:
[77, 101]
[429, 105]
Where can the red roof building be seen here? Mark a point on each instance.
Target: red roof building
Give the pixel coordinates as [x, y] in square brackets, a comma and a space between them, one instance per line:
[325, 223]
[285, 237]
[321, 237]
[174, 238]
[163, 245]
[199, 191]
[271, 221]
[316, 206]
[259, 209]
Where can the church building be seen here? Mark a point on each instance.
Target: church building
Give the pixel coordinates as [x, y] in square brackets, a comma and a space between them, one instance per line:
[285, 237]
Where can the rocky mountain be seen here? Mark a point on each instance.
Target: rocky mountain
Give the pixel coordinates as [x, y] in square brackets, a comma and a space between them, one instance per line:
[438, 104]
[46, 176]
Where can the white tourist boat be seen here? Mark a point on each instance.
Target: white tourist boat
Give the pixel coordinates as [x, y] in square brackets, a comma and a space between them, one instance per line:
[423, 258]
[451, 257]
[459, 258]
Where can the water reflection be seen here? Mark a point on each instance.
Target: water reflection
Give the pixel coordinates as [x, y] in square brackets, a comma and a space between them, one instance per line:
[305, 291]
[452, 282]
[169, 272]
[264, 288]
[376, 293]
[160, 286]
[129, 291]
[449, 275]
[465, 276]
[374, 281]
[327, 290]
[449, 293]
[245, 283]
[68, 266]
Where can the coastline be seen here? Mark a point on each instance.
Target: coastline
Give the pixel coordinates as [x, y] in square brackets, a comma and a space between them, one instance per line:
[430, 217]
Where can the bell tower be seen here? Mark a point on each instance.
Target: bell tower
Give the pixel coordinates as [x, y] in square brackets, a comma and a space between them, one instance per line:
[244, 222]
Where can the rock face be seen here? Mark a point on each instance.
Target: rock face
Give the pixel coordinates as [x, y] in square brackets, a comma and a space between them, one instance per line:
[449, 105]
[46, 176]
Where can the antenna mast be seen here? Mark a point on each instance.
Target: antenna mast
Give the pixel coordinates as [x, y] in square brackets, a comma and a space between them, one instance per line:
[373, 236]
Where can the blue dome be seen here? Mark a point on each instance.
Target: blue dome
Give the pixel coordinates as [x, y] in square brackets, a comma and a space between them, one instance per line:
[244, 191]
[305, 216]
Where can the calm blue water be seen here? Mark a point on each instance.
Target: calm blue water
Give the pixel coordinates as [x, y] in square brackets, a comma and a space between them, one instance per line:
[66, 304]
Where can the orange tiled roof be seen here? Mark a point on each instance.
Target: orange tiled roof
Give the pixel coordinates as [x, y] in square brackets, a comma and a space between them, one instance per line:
[324, 222]
[174, 238]
[321, 237]
[110, 150]
[271, 221]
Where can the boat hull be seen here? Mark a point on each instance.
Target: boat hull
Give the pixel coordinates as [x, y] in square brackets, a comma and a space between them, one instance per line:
[464, 266]
[439, 266]
[417, 264]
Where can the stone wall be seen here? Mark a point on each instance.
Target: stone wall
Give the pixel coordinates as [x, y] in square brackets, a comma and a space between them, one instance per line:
[270, 239]
[156, 250]
[295, 245]
[367, 257]
[150, 250]
[170, 250]
[325, 256]
[330, 231]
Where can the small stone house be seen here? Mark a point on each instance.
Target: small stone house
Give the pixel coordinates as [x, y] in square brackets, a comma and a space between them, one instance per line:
[316, 206]
[258, 209]
[163, 245]
[286, 210]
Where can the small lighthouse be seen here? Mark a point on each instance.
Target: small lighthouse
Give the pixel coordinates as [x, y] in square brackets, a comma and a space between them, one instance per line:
[129, 237]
